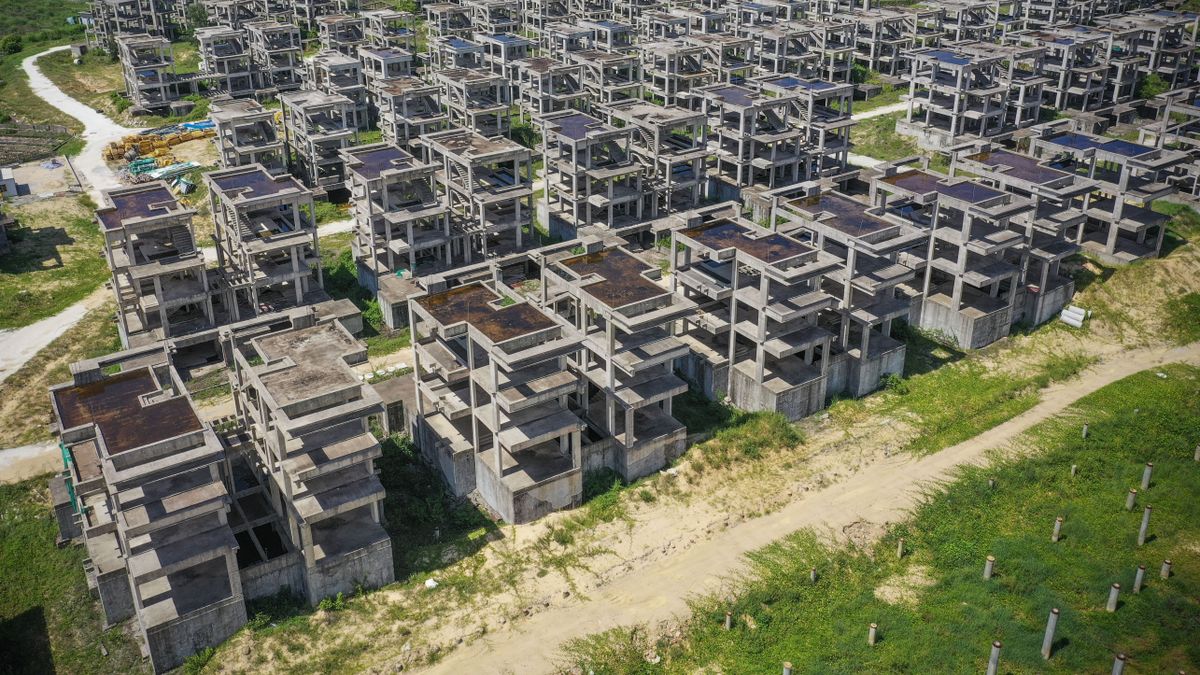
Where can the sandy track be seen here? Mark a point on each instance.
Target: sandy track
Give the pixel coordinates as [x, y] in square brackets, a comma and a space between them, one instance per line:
[660, 590]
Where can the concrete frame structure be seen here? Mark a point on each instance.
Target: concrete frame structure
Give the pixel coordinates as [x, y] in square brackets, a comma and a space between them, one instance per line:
[307, 414]
[756, 338]
[316, 126]
[246, 134]
[337, 74]
[610, 77]
[489, 187]
[342, 33]
[266, 240]
[591, 176]
[1121, 224]
[145, 488]
[401, 224]
[626, 362]
[672, 144]
[390, 29]
[492, 398]
[159, 276]
[549, 86]
[475, 99]
[446, 19]
[225, 60]
[752, 138]
[112, 18]
[275, 50]
[148, 65]
[408, 109]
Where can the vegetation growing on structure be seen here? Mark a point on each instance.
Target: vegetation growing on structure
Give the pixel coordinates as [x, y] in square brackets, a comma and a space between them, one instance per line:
[341, 281]
[934, 611]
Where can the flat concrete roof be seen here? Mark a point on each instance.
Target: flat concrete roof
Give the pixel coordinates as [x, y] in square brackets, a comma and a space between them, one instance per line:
[475, 305]
[725, 234]
[114, 405]
[317, 352]
[146, 201]
[622, 281]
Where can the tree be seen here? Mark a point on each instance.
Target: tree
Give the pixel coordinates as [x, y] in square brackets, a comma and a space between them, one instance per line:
[197, 16]
[1152, 85]
[11, 44]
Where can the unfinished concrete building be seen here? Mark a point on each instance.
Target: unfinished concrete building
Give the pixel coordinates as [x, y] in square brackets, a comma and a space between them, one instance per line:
[246, 134]
[548, 86]
[390, 29]
[475, 99]
[611, 36]
[316, 126]
[1086, 69]
[871, 285]
[785, 49]
[971, 91]
[822, 110]
[833, 40]
[112, 18]
[276, 52]
[882, 37]
[489, 184]
[672, 144]
[492, 399]
[752, 139]
[144, 484]
[266, 240]
[626, 364]
[380, 64]
[971, 290]
[591, 176]
[502, 54]
[446, 19]
[408, 109]
[1166, 40]
[1053, 231]
[495, 16]
[401, 224]
[148, 65]
[231, 13]
[1122, 225]
[609, 77]
[561, 39]
[307, 413]
[755, 339]
[455, 52]
[338, 75]
[225, 61]
[536, 15]
[1041, 13]
[729, 58]
[342, 33]
[158, 274]
[673, 70]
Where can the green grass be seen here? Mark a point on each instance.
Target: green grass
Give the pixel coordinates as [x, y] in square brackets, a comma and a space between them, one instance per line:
[876, 137]
[38, 20]
[950, 399]
[699, 414]
[17, 100]
[1183, 318]
[54, 262]
[949, 625]
[341, 281]
[372, 136]
[48, 619]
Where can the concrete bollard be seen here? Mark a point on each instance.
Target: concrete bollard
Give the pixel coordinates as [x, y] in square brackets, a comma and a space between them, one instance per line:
[1048, 639]
[812, 575]
[871, 631]
[900, 548]
[1165, 571]
[728, 620]
[994, 659]
[1118, 665]
[1146, 475]
[1130, 498]
[1113, 593]
[1054, 536]
[1138, 578]
[1085, 431]
[988, 565]
[1074, 470]
[1145, 526]
[991, 483]
[787, 668]
[1196, 454]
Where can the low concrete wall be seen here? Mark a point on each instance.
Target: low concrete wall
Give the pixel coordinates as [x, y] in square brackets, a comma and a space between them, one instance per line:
[533, 502]
[1042, 307]
[865, 374]
[170, 644]
[268, 577]
[795, 403]
[712, 381]
[458, 470]
[116, 598]
[968, 332]
[370, 567]
[646, 458]
[837, 376]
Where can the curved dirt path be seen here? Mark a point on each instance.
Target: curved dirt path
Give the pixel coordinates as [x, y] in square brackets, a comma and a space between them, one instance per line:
[881, 492]
[98, 129]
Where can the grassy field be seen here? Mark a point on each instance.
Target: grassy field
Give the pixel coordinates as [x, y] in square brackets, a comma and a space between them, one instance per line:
[935, 612]
[24, 401]
[93, 81]
[48, 620]
[55, 260]
[17, 100]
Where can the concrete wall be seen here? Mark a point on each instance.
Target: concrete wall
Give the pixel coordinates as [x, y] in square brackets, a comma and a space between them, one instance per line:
[116, 598]
[864, 374]
[370, 566]
[647, 458]
[531, 503]
[968, 332]
[1042, 307]
[268, 577]
[458, 469]
[711, 381]
[170, 644]
[795, 403]
[837, 376]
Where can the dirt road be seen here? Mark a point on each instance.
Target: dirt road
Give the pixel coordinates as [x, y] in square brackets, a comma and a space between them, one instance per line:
[22, 344]
[879, 493]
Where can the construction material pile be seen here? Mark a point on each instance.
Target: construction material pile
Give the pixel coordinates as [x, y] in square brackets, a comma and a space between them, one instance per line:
[156, 143]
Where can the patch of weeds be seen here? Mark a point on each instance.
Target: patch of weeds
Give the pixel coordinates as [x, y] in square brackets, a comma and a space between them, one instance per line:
[1181, 318]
